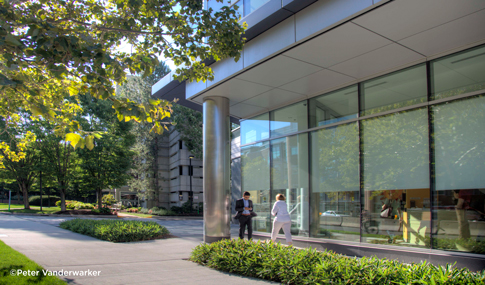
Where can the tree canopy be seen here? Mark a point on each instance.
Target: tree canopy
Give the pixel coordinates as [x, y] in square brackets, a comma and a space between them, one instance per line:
[51, 49]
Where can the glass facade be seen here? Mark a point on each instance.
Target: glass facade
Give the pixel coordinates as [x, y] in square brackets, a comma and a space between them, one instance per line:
[289, 119]
[255, 167]
[459, 198]
[334, 107]
[396, 196]
[289, 176]
[396, 90]
[458, 73]
[335, 182]
[255, 129]
[397, 160]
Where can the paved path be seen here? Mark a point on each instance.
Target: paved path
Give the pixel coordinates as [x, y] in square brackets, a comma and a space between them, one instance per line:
[147, 262]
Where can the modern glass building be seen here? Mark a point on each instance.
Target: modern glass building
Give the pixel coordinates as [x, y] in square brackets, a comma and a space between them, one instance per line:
[368, 115]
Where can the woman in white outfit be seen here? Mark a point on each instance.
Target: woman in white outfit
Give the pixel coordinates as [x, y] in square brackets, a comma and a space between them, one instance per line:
[282, 219]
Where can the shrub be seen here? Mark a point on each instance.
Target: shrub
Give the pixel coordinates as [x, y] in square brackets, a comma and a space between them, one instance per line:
[155, 209]
[144, 211]
[116, 230]
[108, 199]
[132, 210]
[289, 265]
[176, 209]
[187, 207]
[35, 200]
[102, 211]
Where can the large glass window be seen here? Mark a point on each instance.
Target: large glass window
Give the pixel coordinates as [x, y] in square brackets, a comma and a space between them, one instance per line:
[255, 180]
[255, 129]
[396, 90]
[459, 73]
[334, 107]
[289, 176]
[459, 206]
[289, 119]
[396, 197]
[335, 197]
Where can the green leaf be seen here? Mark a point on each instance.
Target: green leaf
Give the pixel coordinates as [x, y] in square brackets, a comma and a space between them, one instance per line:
[12, 40]
[89, 142]
[73, 138]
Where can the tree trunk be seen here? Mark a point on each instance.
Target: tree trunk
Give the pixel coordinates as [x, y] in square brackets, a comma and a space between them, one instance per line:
[18, 196]
[26, 196]
[63, 199]
[100, 198]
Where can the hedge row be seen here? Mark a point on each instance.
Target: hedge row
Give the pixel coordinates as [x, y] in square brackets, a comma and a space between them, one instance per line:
[116, 230]
[290, 265]
[35, 200]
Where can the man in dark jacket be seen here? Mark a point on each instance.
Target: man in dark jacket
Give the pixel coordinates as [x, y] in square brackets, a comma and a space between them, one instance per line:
[244, 208]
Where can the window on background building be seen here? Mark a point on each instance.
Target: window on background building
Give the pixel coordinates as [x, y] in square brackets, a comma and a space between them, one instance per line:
[255, 129]
[251, 5]
[289, 176]
[334, 107]
[396, 90]
[459, 73]
[255, 175]
[459, 204]
[396, 197]
[289, 119]
[216, 6]
[335, 197]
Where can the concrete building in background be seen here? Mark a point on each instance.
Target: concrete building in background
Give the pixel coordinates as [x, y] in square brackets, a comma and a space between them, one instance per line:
[173, 176]
[369, 115]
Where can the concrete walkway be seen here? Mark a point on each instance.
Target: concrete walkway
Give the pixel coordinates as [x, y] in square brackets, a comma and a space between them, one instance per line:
[148, 262]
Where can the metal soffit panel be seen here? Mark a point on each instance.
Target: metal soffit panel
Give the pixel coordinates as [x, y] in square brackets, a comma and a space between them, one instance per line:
[274, 97]
[338, 45]
[371, 44]
[400, 19]
[465, 30]
[278, 71]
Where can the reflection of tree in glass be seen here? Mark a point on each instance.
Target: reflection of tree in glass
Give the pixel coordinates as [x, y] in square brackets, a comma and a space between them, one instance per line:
[396, 151]
[459, 128]
[255, 167]
[338, 161]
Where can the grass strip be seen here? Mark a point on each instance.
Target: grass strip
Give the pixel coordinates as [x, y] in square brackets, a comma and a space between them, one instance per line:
[33, 210]
[138, 215]
[289, 265]
[12, 261]
[117, 230]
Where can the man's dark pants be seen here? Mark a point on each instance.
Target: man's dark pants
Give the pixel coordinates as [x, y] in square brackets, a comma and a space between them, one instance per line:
[243, 221]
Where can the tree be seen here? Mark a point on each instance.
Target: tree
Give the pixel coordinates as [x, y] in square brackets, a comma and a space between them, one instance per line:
[108, 163]
[144, 167]
[53, 48]
[188, 123]
[58, 158]
[23, 168]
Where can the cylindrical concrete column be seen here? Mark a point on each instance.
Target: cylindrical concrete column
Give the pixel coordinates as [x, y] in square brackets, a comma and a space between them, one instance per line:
[217, 166]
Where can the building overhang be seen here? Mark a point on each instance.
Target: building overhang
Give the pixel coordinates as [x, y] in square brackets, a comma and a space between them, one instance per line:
[329, 45]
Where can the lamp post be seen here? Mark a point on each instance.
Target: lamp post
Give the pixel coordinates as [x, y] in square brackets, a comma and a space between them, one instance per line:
[191, 172]
[40, 182]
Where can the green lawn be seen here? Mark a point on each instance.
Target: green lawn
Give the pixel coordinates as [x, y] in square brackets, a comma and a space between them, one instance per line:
[12, 261]
[5, 206]
[33, 210]
[138, 215]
